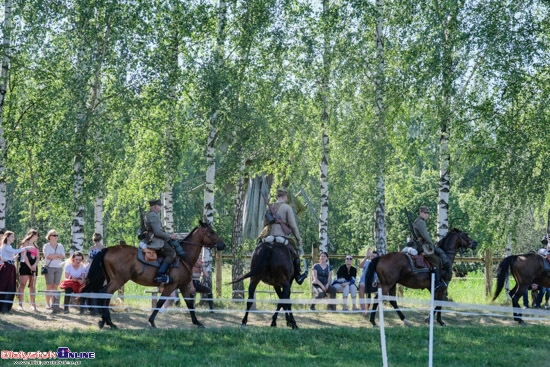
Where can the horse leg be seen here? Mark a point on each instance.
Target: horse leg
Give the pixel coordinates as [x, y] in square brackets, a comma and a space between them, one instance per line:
[105, 312]
[251, 289]
[373, 313]
[168, 289]
[515, 302]
[288, 307]
[396, 307]
[279, 292]
[190, 302]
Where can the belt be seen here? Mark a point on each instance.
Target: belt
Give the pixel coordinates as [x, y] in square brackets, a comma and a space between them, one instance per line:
[11, 262]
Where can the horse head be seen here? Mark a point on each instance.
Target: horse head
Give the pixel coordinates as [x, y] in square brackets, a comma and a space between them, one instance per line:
[463, 240]
[208, 237]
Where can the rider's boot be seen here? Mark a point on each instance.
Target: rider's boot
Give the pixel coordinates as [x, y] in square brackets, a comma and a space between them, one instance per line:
[438, 282]
[68, 292]
[297, 276]
[162, 276]
[179, 250]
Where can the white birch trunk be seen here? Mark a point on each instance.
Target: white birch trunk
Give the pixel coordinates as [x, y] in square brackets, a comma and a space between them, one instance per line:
[77, 224]
[3, 92]
[208, 210]
[379, 110]
[98, 215]
[168, 208]
[323, 215]
[444, 154]
[237, 237]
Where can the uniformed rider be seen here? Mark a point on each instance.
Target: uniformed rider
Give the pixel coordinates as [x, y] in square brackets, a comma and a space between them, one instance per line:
[426, 246]
[165, 243]
[285, 212]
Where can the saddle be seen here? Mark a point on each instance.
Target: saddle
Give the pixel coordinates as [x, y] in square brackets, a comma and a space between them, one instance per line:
[150, 257]
[546, 263]
[419, 264]
[279, 240]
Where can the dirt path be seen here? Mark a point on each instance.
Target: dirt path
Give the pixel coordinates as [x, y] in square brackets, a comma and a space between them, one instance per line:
[179, 318]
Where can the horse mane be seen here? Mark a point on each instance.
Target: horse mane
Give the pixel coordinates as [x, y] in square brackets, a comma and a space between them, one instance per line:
[444, 240]
[190, 233]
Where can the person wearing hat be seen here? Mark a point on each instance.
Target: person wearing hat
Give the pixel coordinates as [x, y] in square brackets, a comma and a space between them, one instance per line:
[162, 241]
[427, 246]
[286, 214]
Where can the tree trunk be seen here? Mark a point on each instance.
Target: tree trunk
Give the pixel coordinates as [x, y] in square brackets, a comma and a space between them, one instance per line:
[323, 215]
[98, 215]
[77, 224]
[3, 92]
[208, 210]
[168, 208]
[379, 110]
[237, 237]
[444, 154]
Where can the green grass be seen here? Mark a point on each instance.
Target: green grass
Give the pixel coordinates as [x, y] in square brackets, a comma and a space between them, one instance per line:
[454, 346]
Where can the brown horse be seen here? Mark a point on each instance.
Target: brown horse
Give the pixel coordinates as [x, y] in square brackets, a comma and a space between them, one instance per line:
[395, 268]
[119, 264]
[526, 269]
[273, 265]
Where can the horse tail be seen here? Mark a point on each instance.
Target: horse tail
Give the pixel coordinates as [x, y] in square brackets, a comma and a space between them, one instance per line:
[263, 258]
[502, 273]
[369, 277]
[96, 274]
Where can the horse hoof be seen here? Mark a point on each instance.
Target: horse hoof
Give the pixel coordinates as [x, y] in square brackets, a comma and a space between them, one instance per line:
[406, 323]
[522, 323]
[427, 320]
[113, 327]
[200, 326]
[442, 323]
[273, 324]
[152, 324]
[101, 324]
[294, 327]
[243, 326]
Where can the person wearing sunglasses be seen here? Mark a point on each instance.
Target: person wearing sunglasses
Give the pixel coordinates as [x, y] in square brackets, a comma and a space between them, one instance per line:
[345, 283]
[54, 254]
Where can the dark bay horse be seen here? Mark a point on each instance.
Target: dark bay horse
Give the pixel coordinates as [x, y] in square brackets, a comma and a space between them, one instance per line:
[395, 268]
[273, 265]
[526, 269]
[119, 264]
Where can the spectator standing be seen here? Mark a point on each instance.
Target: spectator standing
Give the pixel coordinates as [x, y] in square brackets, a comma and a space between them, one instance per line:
[364, 264]
[7, 270]
[322, 277]
[54, 254]
[345, 283]
[28, 268]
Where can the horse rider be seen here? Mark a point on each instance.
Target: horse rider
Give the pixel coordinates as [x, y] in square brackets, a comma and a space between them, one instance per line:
[285, 212]
[426, 246]
[166, 243]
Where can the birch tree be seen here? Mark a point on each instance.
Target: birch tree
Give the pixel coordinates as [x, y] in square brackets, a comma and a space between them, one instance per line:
[6, 31]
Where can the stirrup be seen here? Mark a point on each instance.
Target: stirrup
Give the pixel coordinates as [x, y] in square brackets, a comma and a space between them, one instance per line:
[164, 278]
[440, 285]
[300, 279]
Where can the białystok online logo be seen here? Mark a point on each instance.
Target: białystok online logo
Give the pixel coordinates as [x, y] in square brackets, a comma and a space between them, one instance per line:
[62, 353]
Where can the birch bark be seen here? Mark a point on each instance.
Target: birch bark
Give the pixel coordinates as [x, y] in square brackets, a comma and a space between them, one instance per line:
[380, 113]
[208, 209]
[323, 215]
[3, 92]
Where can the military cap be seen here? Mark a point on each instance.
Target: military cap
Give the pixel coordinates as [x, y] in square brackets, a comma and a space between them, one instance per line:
[424, 209]
[281, 192]
[155, 202]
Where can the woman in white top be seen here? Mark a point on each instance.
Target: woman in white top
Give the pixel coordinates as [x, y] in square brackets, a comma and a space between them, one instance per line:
[75, 273]
[7, 270]
[54, 254]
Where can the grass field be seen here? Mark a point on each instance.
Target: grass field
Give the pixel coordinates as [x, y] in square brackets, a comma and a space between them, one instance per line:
[341, 346]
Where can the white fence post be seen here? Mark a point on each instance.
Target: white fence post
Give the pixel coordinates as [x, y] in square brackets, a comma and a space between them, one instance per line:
[382, 331]
[431, 349]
